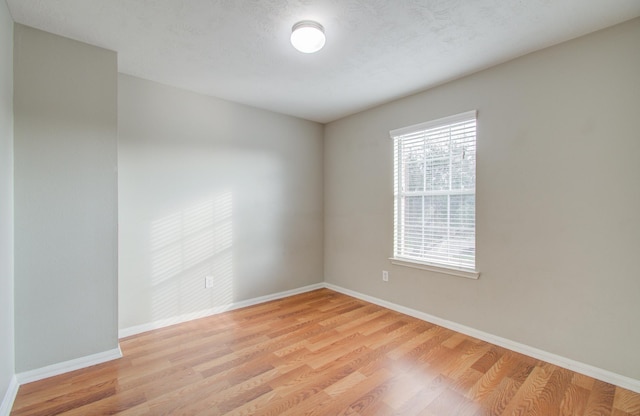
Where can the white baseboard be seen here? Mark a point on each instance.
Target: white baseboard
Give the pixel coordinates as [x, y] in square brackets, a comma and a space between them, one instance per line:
[586, 369]
[76, 364]
[9, 397]
[126, 332]
[67, 366]
[99, 358]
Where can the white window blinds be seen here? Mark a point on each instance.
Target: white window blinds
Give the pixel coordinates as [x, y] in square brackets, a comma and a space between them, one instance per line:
[435, 183]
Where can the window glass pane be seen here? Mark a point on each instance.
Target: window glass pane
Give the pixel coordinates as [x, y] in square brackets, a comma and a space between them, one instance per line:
[463, 214]
[413, 226]
[462, 230]
[414, 176]
[435, 211]
[437, 163]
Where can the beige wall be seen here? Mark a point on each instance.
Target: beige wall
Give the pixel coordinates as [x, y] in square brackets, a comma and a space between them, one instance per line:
[558, 199]
[209, 187]
[65, 199]
[7, 356]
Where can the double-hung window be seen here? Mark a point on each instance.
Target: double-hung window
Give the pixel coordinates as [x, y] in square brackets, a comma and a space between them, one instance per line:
[435, 195]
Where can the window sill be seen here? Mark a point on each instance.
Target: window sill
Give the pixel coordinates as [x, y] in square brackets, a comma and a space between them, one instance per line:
[469, 274]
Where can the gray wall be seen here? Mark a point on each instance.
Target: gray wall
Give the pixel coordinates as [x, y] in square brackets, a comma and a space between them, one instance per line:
[6, 199]
[209, 187]
[65, 154]
[558, 198]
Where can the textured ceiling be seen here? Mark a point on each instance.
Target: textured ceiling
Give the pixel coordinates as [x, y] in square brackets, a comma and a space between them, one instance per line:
[376, 51]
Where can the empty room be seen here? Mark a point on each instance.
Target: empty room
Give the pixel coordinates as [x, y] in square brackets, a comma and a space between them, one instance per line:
[319, 207]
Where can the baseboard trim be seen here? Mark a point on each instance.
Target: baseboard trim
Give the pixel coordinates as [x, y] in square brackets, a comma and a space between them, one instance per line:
[83, 362]
[138, 329]
[579, 367]
[9, 397]
[67, 366]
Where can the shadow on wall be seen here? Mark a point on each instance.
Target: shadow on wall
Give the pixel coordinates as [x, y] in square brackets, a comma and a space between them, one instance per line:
[186, 246]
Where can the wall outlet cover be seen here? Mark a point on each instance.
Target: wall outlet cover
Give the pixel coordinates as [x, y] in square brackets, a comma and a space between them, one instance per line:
[208, 282]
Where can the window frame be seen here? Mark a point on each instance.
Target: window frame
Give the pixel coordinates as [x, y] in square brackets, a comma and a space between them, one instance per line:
[398, 222]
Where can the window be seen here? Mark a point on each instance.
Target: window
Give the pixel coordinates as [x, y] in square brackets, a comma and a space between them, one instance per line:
[435, 194]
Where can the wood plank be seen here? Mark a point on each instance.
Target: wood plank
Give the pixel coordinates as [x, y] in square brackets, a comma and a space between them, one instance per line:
[627, 401]
[574, 402]
[528, 395]
[601, 399]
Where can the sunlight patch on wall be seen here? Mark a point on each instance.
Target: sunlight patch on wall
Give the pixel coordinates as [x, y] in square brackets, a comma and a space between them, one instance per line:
[187, 246]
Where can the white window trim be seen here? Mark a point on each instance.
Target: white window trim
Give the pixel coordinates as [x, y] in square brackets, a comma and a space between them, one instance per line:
[433, 123]
[417, 264]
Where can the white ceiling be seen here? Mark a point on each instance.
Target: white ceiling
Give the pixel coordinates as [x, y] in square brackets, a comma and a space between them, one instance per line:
[376, 51]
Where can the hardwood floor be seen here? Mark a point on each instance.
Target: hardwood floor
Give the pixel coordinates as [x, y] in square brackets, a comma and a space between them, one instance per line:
[319, 353]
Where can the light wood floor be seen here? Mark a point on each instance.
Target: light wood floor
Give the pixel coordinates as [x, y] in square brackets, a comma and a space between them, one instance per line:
[319, 353]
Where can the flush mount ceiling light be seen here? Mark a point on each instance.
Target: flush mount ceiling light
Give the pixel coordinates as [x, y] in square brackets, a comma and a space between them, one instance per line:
[307, 36]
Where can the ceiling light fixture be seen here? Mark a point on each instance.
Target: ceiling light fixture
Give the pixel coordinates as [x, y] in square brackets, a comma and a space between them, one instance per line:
[307, 36]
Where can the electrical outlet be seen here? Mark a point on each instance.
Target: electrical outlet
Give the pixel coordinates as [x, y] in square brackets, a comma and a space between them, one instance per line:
[385, 276]
[208, 282]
